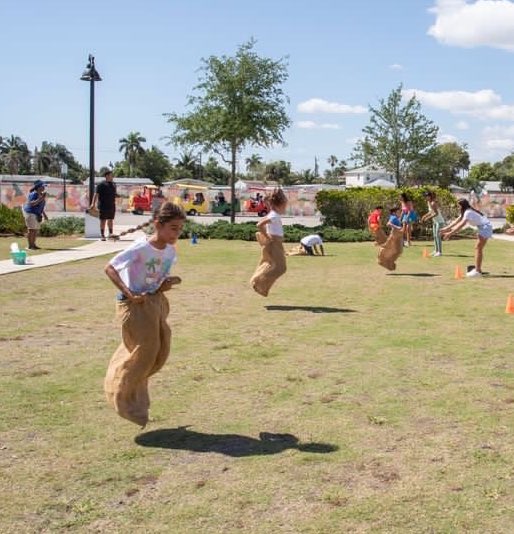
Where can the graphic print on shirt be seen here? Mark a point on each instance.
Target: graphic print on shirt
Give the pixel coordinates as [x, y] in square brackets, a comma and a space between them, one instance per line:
[156, 271]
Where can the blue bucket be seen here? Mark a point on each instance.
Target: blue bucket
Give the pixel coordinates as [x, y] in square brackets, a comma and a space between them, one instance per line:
[19, 258]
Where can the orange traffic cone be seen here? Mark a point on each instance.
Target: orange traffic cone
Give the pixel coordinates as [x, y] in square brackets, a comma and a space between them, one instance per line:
[459, 275]
[510, 304]
[425, 253]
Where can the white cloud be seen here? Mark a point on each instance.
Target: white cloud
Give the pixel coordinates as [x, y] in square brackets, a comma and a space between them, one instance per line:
[311, 125]
[446, 138]
[318, 105]
[396, 66]
[484, 104]
[498, 138]
[480, 23]
[462, 125]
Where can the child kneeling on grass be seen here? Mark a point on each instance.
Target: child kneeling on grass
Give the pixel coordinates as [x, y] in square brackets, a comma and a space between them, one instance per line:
[142, 274]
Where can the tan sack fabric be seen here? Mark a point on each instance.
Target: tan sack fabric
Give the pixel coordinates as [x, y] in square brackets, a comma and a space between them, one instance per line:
[272, 264]
[380, 237]
[391, 250]
[296, 251]
[145, 346]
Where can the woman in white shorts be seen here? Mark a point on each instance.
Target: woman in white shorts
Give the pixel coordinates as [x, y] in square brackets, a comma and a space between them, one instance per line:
[473, 217]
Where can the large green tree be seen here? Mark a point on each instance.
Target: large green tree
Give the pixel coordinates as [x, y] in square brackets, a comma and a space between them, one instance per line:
[239, 101]
[154, 164]
[442, 165]
[397, 136]
[132, 148]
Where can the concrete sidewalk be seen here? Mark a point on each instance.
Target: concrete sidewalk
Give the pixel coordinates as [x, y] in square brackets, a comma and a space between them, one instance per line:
[91, 250]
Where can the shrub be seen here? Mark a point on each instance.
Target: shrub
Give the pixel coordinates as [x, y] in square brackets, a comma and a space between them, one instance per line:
[292, 233]
[11, 220]
[509, 214]
[350, 208]
[62, 226]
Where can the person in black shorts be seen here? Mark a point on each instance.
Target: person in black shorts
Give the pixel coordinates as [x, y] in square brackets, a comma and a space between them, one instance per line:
[106, 195]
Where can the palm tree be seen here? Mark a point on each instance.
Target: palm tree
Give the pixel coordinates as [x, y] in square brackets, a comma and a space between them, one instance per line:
[253, 164]
[131, 148]
[15, 155]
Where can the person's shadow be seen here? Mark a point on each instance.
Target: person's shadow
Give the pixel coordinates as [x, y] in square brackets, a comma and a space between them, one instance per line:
[228, 444]
[312, 309]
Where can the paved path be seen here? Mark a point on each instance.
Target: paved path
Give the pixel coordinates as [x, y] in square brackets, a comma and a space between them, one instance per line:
[91, 250]
[98, 248]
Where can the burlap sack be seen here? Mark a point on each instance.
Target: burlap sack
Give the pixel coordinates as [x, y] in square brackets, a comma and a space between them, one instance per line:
[296, 251]
[145, 346]
[391, 250]
[380, 237]
[272, 264]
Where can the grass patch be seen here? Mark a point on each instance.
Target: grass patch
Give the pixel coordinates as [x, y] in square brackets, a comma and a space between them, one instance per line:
[47, 244]
[351, 400]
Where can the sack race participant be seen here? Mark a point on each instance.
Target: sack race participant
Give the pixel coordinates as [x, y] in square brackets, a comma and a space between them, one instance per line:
[374, 226]
[392, 249]
[270, 237]
[141, 273]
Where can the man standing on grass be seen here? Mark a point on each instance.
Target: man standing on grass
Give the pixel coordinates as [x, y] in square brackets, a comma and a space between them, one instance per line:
[106, 195]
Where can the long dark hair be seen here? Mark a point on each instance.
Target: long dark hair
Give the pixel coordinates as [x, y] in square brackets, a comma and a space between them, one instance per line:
[465, 205]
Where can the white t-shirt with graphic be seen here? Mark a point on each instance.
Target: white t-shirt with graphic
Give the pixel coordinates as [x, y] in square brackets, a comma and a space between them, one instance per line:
[142, 267]
[275, 224]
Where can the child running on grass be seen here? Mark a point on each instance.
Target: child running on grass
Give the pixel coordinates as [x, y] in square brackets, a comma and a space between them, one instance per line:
[142, 274]
[270, 236]
[473, 217]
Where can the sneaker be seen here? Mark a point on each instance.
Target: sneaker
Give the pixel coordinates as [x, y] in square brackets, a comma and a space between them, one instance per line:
[102, 238]
[436, 254]
[405, 244]
[473, 273]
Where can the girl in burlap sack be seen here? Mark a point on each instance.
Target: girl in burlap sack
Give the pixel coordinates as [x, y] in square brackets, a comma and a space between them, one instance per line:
[270, 236]
[142, 274]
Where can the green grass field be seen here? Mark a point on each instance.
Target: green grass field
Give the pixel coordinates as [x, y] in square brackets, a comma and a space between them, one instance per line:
[350, 400]
[47, 244]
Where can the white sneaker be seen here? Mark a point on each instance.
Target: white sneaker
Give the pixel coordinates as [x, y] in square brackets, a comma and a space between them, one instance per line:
[473, 273]
[436, 254]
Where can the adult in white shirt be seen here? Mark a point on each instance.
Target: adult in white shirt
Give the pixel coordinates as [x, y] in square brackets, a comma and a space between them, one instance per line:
[310, 244]
[473, 217]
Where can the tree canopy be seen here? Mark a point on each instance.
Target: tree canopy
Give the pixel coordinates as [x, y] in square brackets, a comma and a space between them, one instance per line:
[238, 101]
[397, 136]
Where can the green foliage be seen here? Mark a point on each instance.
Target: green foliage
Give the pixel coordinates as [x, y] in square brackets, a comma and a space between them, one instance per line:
[292, 233]
[397, 135]
[440, 166]
[509, 213]
[239, 102]
[350, 208]
[11, 220]
[62, 226]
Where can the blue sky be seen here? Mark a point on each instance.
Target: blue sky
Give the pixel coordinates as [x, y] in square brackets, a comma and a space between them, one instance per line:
[343, 55]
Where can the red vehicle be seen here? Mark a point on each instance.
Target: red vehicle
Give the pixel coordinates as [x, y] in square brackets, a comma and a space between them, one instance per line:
[256, 206]
[145, 200]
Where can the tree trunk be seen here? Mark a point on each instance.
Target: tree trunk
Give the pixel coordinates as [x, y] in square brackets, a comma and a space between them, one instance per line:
[233, 184]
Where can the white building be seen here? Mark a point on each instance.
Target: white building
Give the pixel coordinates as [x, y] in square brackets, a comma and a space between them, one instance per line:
[369, 176]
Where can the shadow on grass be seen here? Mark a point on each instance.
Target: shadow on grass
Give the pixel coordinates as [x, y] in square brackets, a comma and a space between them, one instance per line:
[423, 275]
[458, 255]
[228, 444]
[313, 309]
[498, 275]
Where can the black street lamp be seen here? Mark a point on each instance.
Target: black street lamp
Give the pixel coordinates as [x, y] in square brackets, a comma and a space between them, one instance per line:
[91, 75]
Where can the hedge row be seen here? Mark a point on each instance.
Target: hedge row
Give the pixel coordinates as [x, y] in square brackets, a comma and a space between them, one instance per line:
[292, 233]
[350, 208]
[62, 226]
[11, 220]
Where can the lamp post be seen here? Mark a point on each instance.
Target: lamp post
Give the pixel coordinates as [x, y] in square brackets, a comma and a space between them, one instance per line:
[64, 172]
[91, 75]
